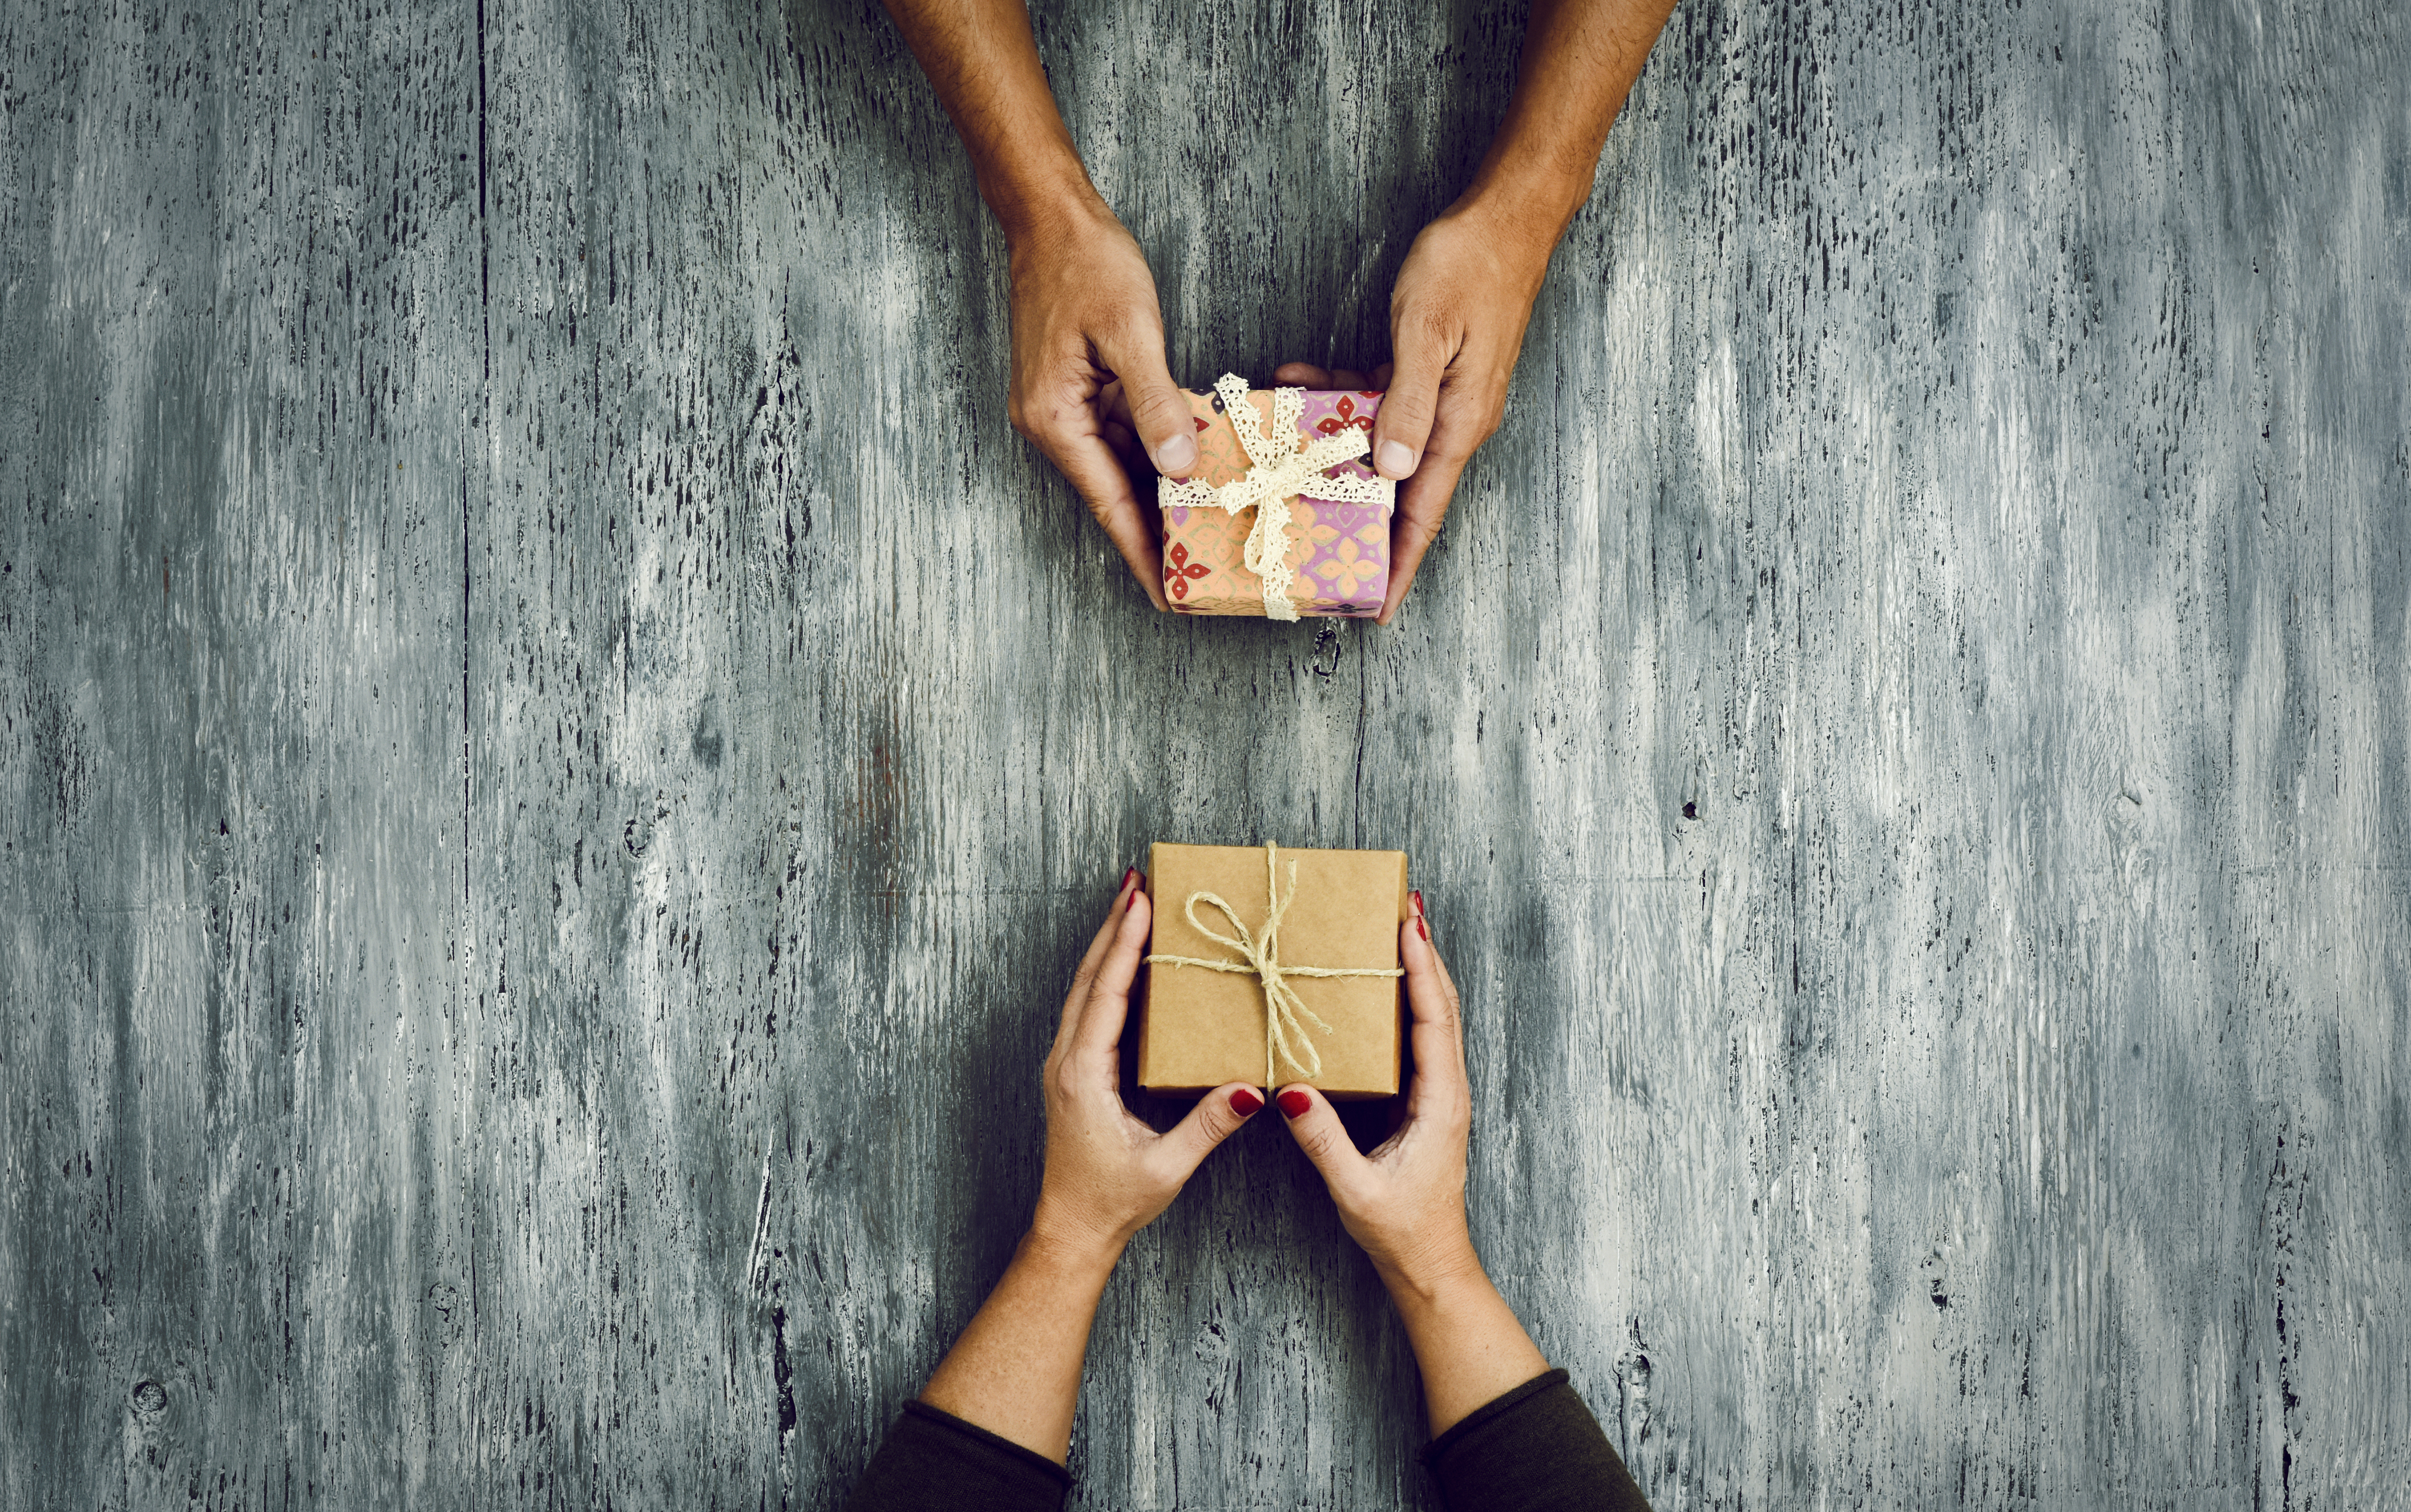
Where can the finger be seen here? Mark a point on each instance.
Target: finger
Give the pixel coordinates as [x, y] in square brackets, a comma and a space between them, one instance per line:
[1307, 375]
[1423, 503]
[1303, 375]
[1219, 1114]
[1159, 410]
[1435, 1028]
[1411, 404]
[1316, 1127]
[1108, 1006]
[1098, 477]
[1381, 376]
[1077, 997]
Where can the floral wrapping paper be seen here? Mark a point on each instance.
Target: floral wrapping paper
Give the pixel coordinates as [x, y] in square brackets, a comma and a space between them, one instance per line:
[1340, 553]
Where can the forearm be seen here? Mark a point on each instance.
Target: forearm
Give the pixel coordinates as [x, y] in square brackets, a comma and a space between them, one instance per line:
[1580, 59]
[1015, 1371]
[983, 61]
[1469, 1344]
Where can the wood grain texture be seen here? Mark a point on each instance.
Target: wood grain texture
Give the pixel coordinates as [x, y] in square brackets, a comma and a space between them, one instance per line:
[556, 752]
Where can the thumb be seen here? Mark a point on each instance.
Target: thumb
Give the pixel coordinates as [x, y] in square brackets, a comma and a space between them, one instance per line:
[1402, 427]
[1315, 1124]
[1159, 410]
[1218, 1115]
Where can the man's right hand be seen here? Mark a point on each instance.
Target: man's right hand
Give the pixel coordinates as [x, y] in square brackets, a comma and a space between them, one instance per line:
[1089, 385]
[1088, 336]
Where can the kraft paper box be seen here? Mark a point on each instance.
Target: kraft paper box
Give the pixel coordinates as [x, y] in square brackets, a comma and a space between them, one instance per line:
[1334, 529]
[1200, 1027]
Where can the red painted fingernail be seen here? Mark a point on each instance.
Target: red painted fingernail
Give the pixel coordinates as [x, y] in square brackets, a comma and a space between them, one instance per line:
[1129, 875]
[1139, 886]
[1294, 1103]
[1421, 928]
[1245, 1102]
[1417, 898]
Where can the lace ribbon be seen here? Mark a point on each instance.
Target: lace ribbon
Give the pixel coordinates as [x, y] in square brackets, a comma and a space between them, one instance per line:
[1285, 1012]
[1285, 466]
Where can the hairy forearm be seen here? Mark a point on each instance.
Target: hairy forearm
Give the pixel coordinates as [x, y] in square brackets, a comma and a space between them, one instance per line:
[1469, 1344]
[983, 61]
[1580, 59]
[1015, 1371]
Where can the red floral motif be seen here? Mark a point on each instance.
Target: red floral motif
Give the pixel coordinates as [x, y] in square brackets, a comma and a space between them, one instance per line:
[1201, 421]
[1179, 571]
[1331, 425]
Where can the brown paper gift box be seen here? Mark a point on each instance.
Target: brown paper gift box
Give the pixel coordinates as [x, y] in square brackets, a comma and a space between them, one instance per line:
[1199, 1028]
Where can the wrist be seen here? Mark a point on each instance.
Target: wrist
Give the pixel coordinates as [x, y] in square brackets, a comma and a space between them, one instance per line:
[1044, 202]
[1522, 211]
[1434, 1279]
[1068, 1250]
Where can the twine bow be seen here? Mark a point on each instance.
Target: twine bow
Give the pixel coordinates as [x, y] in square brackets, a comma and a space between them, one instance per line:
[1283, 468]
[1285, 1012]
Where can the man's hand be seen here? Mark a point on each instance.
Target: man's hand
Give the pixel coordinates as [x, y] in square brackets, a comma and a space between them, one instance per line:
[1465, 292]
[1456, 325]
[1089, 386]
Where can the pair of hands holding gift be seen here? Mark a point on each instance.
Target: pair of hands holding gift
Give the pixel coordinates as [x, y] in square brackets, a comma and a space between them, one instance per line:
[1015, 1371]
[1109, 1174]
[1089, 385]
[1091, 390]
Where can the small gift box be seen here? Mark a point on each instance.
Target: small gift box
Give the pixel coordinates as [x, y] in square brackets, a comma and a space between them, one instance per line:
[1270, 966]
[1280, 518]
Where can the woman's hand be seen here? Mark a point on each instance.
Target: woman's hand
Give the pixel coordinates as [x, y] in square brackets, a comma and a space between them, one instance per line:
[1108, 1174]
[1015, 1371]
[1405, 1204]
[1089, 385]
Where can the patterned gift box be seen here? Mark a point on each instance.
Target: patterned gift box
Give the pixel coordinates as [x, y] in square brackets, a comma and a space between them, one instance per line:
[1297, 493]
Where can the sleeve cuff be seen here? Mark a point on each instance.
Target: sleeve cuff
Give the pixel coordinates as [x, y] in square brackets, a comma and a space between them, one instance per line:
[1490, 1411]
[1019, 1456]
[934, 1462]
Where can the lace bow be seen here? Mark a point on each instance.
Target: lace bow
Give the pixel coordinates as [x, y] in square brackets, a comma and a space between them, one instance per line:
[1285, 466]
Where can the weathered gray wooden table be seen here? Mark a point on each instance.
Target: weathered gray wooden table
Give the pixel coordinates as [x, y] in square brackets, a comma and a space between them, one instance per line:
[556, 752]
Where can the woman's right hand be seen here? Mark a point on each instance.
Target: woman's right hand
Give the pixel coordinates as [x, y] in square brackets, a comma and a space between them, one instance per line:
[1405, 1202]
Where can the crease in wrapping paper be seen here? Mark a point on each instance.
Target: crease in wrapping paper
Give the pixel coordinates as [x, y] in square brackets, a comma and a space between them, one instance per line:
[1339, 552]
[1198, 1029]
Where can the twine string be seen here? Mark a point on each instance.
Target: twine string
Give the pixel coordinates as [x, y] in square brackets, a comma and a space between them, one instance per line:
[1286, 1015]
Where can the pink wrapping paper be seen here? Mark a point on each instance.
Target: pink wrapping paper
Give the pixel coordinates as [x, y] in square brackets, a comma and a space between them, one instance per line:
[1340, 552]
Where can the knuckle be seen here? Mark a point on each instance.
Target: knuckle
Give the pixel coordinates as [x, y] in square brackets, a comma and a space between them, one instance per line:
[1315, 1141]
[1159, 409]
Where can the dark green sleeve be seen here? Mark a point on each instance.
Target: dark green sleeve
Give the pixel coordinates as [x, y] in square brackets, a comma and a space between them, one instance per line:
[932, 1460]
[1535, 1450]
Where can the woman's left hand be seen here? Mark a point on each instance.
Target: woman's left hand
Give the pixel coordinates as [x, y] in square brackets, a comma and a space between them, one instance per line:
[1108, 1174]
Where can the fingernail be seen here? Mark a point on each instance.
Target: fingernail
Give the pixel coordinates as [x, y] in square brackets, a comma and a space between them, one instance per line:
[1294, 1104]
[1137, 890]
[1245, 1102]
[1417, 899]
[1178, 454]
[1396, 460]
[1421, 928]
